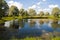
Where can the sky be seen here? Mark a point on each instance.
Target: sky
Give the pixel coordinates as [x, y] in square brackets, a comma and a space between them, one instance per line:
[38, 5]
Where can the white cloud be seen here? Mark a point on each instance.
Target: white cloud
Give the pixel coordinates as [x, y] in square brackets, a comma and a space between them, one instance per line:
[52, 6]
[38, 3]
[34, 6]
[44, 0]
[38, 7]
[40, 10]
[44, 10]
[17, 4]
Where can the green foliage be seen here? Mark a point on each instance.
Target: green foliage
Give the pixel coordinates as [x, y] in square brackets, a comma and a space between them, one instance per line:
[32, 12]
[13, 11]
[47, 14]
[21, 12]
[35, 38]
[57, 38]
[55, 11]
[41, 13]
[26, 13]
[3, 8]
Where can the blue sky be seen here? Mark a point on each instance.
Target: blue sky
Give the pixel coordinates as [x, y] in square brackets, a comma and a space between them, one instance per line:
[38, 5]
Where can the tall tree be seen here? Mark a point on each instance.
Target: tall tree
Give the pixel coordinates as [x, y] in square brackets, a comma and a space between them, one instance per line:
[55, 11]
[13, 10]
[47, 14]
[26, 13]
[21, 12]
[41, 13]
[32, 12]
[3, 8]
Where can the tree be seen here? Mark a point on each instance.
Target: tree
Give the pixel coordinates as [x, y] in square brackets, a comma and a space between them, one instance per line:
[47, 14]
[32, 12]
[55, 11]
[3, 8]
[26, 13]
[21, 12]
[41, 13]
[13, 10]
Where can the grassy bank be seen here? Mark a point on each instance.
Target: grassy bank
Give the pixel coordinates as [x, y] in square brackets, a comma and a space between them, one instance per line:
[36, 38]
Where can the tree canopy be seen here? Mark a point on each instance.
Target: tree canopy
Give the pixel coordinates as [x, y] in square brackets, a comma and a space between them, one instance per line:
[32, 12]
[3, 8]
[55, 11]
[41, 13]
[47, 14]
[21, 12]
[13, 10]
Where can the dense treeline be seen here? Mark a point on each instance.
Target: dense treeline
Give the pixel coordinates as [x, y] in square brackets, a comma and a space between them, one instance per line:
[5, 10]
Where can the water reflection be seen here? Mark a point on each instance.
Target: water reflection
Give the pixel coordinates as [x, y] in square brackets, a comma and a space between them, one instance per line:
[56, 27]
[5, 34]
[32, 22]
[41, 22]
[30, 28]
[55, 24]
[46, 20]
[21, 23]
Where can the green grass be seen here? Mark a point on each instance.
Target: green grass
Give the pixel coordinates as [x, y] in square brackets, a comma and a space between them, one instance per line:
[20, 17]
[57, 38]
[27, 38]
[35, 38]
[8, 18]
[12, 18]
[1, 21]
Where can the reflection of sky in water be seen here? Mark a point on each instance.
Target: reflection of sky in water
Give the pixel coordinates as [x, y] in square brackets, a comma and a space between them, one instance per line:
[58, 29]
[44, 26]
[37, 25]
[7, 24]
[59, 22]
[36, 30]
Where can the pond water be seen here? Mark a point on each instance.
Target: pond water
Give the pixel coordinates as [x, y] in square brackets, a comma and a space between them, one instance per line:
[30, 28]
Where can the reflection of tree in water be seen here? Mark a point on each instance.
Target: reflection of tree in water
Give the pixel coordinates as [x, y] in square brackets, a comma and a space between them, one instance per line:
[15, 24]
[46, 20]
[21, 23]
[4, 33]
[55, 24]
[32, 22]
[41, 22]
[25, 20]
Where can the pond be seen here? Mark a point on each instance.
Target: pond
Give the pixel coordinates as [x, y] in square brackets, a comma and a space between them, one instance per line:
[30, 28]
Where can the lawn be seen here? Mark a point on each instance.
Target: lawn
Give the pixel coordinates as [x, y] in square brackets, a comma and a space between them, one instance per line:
[35, 38]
